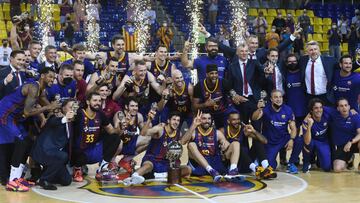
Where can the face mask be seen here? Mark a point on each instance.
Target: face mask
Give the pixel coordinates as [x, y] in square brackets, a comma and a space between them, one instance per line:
[334, 26]
[292, 66]
[273, 30]
[5, 44]
[67, 80]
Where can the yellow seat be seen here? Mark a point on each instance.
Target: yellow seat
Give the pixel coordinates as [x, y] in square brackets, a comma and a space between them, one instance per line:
[269, 20]
[310, 37]
[3, 34]
[283, 12]
[318, 29]
[55, 7]
[1, 15]
[310, 13]
[2, 25]
[6, 7]
[291, 11]
[24, 7]
[57, 26]
[311, 21]
[7, 15]
[318, 37]
[325, 46]
[325, 37]
[264, 11]
[56, 17]
[344, 47]
[327, 21]
[318, 21]
[326, 28]
[298, 13]
[272, 12]
[9, 26]
[253, 12]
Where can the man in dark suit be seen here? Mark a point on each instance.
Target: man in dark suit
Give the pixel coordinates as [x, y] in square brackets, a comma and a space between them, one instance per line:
[51, 148]
[275, 72]
[256, 53]
[11, 77]
[247, 80]
[317, 73]
[50, 59]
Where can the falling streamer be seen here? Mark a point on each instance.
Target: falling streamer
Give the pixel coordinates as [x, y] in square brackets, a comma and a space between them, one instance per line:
[142, 29]
[92, 29]
[238, 21]
[194, 8]
[46, 23]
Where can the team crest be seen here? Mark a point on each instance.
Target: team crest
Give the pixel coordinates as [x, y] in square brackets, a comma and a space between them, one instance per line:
[289, 85]
[283, 116]
[335, 88]
[69, 91]
[96, 121]
[160, 190]
[325, 124]
[349, 82]
[86, 129]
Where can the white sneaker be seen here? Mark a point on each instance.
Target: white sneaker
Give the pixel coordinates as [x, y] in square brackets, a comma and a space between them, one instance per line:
[137, 179]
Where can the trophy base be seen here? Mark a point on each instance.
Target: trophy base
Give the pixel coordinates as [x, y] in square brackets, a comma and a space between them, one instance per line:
[174, 176]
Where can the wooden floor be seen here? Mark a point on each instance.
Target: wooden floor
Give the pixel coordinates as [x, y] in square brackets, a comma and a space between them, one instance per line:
[322, 187]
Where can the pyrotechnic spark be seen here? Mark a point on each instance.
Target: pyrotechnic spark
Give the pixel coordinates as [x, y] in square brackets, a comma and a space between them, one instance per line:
[92, 29]
[142, 29]
[238, 21]
[194, 8]
[46, 23]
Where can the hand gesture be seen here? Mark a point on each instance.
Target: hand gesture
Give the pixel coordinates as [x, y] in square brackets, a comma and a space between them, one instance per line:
[269, 69]
[165, 93]
[151, 114]
[249, 130]
[63, 45]
[160, 78]
[197, 119]
[210, 103]
[9, 78]
[202, 29]
[54, 105]
[70, 115]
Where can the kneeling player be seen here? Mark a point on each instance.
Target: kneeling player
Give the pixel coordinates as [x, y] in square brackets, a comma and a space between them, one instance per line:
[96, 140]
[161, 135]
[204, 153]
[234, 132]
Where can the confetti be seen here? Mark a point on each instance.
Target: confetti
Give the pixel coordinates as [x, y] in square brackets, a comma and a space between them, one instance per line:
[46, 24]
[142, 29]
[238, 21]
[92, 29]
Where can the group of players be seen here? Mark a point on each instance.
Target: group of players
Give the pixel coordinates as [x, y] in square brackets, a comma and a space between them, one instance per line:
[75, 114]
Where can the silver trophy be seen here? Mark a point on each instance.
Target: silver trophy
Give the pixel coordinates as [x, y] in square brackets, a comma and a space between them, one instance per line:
[173, 154]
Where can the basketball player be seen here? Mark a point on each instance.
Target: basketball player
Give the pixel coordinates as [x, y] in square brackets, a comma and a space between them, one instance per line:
[95, 139]
[277, 118]
[206, 147]
[161, 135]
[14, 109]
[316, 135]
[179, 97]
[236, 131]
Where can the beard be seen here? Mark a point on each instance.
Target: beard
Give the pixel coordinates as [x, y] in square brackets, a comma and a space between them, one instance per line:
[95, 108]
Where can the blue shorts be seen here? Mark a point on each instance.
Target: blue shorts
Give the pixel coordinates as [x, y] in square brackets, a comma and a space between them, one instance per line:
[159, 166]
[129, 148]
[94, 153]
[10, 130]
[214, 161]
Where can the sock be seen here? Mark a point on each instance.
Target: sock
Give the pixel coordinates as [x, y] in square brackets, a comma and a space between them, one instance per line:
[15, 173]
[23, 169]
[265, 163]
[252, 167]
[232, 166]
[208, 168]
[135, 174]
[103, 164]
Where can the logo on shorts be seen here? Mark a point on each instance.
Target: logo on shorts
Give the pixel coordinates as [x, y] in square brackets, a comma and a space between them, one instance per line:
[69, 91]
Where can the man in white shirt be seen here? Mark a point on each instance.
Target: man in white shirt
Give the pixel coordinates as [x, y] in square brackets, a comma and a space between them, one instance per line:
[317, 72]
[5, 52]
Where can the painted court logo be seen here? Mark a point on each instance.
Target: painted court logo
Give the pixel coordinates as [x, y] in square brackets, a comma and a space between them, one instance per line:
[160, 190]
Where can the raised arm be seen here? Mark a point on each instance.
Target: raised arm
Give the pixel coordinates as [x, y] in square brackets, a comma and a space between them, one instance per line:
[185, 62]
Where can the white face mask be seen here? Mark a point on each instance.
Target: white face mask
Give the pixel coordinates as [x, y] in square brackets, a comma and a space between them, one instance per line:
[273, 30]
[334, 26]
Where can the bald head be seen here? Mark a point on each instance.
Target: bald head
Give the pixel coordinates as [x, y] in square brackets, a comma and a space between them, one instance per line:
[177, 77]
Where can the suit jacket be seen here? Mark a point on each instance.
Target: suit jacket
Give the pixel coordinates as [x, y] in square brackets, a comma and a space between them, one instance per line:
[52, 142]
[10, 87]
[254, 76]
[270, 83]
[260, 52]
[330, 65]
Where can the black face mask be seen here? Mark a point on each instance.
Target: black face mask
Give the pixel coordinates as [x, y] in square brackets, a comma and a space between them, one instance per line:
[5, 44]
[67, 80]
[212, 54]
[292, 66]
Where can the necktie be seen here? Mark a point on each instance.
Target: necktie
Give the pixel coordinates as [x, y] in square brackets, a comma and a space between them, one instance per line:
[17, 75]
[245, 81]
[251, 57]
[274, 78]
[312, 79]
